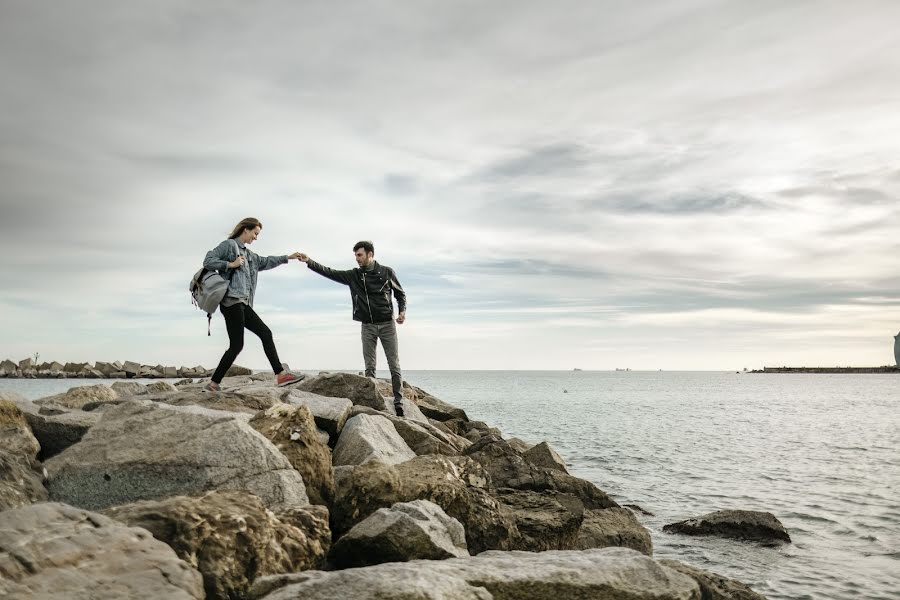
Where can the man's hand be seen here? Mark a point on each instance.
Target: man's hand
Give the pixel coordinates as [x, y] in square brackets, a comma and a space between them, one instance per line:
[302, 257]
[296, 255]
[401, 318]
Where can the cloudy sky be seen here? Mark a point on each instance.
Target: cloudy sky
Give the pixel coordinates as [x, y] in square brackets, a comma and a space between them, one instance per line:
[680, 185]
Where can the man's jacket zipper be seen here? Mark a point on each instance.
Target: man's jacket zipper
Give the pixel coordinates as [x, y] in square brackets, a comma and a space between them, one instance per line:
[369, 306]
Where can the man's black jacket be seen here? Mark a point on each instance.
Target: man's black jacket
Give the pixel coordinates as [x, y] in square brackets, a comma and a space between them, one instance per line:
[370, 290]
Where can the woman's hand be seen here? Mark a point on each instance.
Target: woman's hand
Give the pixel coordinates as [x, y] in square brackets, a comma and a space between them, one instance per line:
[298, 256]
[236, 263]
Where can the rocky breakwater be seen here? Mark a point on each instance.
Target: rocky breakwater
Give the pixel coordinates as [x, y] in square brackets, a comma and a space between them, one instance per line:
[30, 369]
[317, 490]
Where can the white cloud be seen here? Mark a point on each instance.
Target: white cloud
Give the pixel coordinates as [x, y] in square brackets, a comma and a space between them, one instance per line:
[551, 182]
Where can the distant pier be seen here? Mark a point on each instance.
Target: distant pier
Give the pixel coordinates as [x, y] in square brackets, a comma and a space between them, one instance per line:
[885, 369]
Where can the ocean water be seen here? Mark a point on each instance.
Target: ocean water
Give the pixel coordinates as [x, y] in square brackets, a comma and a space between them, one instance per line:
[821, 452]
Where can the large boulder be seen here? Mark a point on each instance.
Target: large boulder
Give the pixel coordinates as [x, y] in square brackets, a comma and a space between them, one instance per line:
[293, 431]
[508, 469]
[613, 527]
[421, 437]
[248, 402]
[543, 455]
[607, 574]
[21, 476]
[15, 435]
[437, 409]
[362, 391]
[55, 551]
[425, 438]
[131, 368]
[471, 430]
[104, 368]
[140, 450]
[737, 524]
[370, 437]
[129, 388]
[546, 521]
[231, 538]
[456, 484]
[158, 387]
[405, 531]
[78, 397]
[55, 427]
[237, 370]
[330, 413]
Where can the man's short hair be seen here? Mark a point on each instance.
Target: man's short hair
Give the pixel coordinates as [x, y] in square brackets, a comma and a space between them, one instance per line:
[365, 245]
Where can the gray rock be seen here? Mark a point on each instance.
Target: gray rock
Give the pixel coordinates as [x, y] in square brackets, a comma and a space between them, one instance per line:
[405, 531]
[237, 370]
[613, 527]
[713, 586]
[330, 413]
[54, 551]
[546, 521]
[21, 476]
[293, 431]
[436, 409]
[232, 538]
[424, 438]
[607, 574]
[26, 364]
[361, 391]
[455, 483]
[141, 450]
[365, 438]
[56, 428]
[132, 369]
[77, 397]
[256, 399]
[519, 446]
[74, 368]
[323, 436]
[737, 524]
[158, 387]
[508, 469]
[104, 367]
[543, 455]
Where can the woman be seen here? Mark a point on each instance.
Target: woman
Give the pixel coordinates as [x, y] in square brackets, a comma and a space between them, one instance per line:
[237, 263]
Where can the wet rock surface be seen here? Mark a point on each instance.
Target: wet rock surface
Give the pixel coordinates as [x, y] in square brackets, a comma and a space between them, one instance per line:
[754, 526]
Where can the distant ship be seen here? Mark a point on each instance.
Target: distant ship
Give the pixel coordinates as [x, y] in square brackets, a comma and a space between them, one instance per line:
[623, 369]
[576, 369]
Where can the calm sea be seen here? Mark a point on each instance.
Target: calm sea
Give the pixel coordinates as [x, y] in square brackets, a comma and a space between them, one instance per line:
[821, 452]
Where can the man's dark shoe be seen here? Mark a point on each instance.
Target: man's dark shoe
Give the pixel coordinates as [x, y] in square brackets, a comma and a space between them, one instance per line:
[398, 408]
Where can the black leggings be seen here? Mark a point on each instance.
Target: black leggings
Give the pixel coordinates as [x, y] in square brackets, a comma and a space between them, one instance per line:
[237, 317]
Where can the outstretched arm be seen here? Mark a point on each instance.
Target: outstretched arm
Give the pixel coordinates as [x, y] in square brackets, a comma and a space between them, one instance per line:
[339, 276]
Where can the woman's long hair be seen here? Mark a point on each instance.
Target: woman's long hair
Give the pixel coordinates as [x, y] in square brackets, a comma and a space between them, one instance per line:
[248, 223]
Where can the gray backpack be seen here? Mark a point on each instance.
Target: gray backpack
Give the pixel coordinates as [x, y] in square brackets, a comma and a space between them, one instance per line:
[208, 288]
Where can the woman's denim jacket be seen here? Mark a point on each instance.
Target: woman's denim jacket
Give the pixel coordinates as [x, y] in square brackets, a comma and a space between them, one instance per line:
[243, 279]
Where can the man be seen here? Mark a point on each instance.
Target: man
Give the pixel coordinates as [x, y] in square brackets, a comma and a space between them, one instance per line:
[371, 286]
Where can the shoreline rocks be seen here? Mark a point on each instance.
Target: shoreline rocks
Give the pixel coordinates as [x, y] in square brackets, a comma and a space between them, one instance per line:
[223, 481]
[28, 369]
